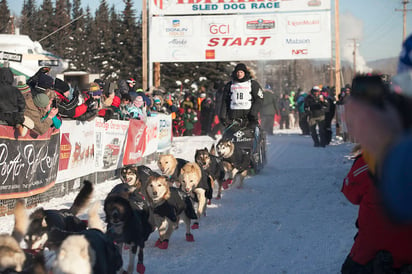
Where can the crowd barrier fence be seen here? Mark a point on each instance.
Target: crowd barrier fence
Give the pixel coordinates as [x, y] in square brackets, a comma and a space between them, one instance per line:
[38, 168]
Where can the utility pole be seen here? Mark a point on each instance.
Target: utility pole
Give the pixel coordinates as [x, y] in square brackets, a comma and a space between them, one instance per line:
[144, 45]
[331, 76]
[355, 45]
[404, 11]
[337, 51]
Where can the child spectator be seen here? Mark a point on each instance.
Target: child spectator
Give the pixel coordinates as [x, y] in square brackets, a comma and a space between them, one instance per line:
[125, 104]
[189, 118]
[137, 110]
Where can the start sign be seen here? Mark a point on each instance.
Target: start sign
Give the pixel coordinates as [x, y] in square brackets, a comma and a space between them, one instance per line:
[238, 41]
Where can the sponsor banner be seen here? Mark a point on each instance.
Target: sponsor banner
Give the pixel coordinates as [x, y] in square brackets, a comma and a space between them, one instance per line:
[135, 143]
[151, 135]
[76, 149]
[165, 133]
[275, 36]
[193, 7]
[10, 56]
[109, 139]
[28, 166]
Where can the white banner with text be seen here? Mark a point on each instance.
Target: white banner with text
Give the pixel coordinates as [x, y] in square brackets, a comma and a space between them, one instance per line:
[285, 36]
[192, 7]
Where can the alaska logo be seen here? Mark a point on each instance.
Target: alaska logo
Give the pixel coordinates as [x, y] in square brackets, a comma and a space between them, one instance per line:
[260, 24]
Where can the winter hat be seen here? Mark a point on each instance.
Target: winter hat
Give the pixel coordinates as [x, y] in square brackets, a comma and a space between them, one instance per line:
[44, 81]
[95, 89]
[315, 89]
[131, 81]
[405, 57]
[61, 86]
[23, 87]
[157, 101]
[41, 100]
[138, 102]
[241, 66]
[6, 76]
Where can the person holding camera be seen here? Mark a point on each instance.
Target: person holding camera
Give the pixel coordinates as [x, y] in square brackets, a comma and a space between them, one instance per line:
[242, 99]
[39, 110]
[57, 120]
[316, 106]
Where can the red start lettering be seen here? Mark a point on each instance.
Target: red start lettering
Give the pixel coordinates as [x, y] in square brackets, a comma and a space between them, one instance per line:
[237, 41]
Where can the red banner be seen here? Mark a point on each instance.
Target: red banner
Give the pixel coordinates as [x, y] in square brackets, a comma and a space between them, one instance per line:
[135, 143]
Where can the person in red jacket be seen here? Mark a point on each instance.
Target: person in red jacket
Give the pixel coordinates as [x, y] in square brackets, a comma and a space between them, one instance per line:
[72, 108]
[381, 245]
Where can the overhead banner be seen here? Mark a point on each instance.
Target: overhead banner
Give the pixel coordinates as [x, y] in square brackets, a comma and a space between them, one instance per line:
[275, 36]
[192, 7]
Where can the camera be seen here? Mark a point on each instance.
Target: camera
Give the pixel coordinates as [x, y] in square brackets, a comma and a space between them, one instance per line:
[54, 103]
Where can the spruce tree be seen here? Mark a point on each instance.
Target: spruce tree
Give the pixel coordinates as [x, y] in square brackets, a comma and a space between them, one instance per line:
[44, 25]
[130, 37]
[62, 38]
[5, 17]
[77, 45]
[28, 19]
[101, 27]
[90, 42]
[115, 60]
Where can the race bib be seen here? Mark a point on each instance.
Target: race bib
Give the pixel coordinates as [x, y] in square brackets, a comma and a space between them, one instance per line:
[241, 97]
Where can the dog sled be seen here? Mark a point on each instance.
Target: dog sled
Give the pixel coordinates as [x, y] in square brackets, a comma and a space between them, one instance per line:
[252, 141]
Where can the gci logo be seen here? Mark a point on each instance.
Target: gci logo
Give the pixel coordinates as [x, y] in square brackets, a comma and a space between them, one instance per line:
[219, 29]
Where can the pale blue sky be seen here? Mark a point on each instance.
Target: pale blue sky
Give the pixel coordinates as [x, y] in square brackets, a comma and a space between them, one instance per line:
[374, 23]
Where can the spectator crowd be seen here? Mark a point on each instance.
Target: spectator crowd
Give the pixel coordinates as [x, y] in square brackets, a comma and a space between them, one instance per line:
[41, 102]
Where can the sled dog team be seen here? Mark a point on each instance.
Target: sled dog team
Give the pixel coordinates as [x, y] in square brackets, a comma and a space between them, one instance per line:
[58, 241]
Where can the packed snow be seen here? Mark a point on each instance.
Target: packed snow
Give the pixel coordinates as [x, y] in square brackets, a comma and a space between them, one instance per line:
[289, 218]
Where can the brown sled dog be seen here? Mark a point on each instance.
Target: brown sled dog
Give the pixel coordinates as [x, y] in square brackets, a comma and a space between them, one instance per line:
[197, 184]
[169, 205]
[170, 166]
